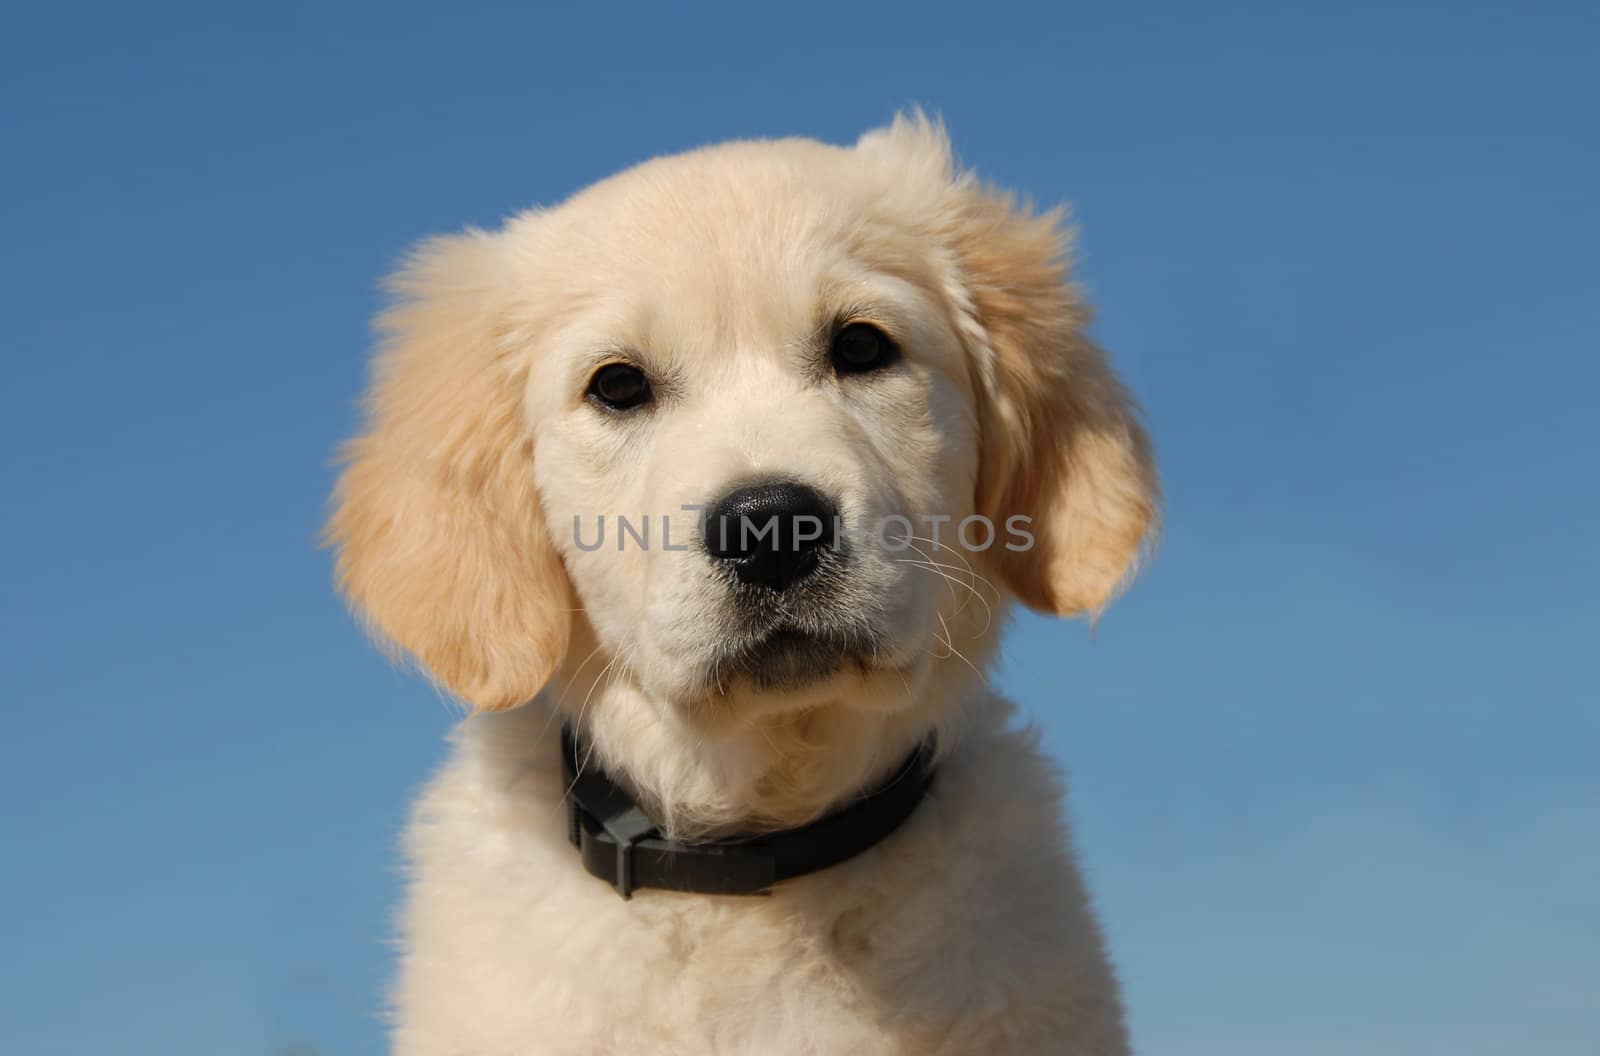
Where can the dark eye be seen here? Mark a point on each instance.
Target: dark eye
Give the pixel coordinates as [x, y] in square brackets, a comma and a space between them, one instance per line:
[620, 386]
[860, 347]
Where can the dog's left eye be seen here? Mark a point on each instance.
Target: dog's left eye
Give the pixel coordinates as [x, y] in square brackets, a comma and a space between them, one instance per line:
[861, 347]
[620, 386]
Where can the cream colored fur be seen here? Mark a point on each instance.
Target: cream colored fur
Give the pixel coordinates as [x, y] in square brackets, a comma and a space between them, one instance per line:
[968, 930]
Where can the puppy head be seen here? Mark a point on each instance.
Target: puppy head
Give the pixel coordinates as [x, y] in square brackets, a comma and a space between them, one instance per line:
[754, 428]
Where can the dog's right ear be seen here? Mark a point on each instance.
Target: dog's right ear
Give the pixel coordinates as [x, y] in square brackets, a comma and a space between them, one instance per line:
[442, 548]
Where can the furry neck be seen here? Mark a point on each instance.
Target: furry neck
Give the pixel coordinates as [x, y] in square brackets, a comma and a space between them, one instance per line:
[700, 776]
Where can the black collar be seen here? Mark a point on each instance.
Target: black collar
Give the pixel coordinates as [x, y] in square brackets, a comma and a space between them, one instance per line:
[619, 842]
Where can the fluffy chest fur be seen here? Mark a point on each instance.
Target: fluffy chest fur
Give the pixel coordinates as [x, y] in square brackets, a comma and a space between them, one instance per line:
[966, 931]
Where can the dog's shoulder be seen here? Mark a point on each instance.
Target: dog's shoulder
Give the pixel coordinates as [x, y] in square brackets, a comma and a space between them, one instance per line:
[968, 925]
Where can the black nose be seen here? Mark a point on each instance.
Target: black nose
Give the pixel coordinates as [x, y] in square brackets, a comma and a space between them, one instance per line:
[772, 534]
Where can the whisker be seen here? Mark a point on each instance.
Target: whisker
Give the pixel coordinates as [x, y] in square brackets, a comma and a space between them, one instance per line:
[935, 567]
[966, 565]
[617, 671]
[582, 708]
[951, 581]
[568, 686]
[956, 651]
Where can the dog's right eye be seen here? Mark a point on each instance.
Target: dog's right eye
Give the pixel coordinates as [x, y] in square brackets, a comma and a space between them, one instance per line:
[619, 386]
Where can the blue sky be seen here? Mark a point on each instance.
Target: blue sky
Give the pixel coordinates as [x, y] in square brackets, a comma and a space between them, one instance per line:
[1333, 759]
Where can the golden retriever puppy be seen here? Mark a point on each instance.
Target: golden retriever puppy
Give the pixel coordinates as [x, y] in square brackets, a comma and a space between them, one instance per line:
[743, 794]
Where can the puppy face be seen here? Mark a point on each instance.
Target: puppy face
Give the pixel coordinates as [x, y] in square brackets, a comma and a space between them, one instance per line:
[777, 348]
[853, 351]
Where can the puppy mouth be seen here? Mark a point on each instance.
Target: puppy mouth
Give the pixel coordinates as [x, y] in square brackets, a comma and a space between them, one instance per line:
[788, 657]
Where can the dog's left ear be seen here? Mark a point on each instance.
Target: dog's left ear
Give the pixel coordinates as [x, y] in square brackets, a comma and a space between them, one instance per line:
[1061, 443]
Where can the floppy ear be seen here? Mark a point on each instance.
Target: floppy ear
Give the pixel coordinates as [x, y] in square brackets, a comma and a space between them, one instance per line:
[441, 544]
[1060, 438]
[1061, 441]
